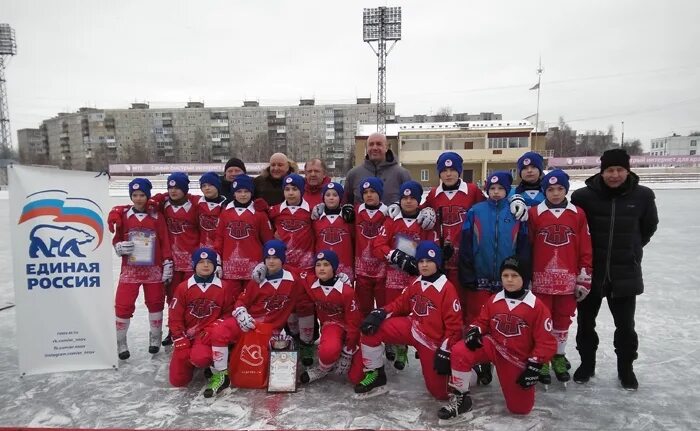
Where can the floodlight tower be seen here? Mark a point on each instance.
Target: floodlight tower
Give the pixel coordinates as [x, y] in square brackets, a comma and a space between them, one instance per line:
[380, 25]
[8, 48]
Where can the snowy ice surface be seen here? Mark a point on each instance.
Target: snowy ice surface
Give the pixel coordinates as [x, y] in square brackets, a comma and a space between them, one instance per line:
[138, 394]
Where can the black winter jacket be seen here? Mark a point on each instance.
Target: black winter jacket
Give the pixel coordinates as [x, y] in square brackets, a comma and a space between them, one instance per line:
[621, 221]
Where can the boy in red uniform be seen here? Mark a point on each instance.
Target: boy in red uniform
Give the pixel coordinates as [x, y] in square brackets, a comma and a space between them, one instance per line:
[141, 239]
[427, 316]
[197, 303]
[397, 242]
[240, 235]
[451, 200]
[513, 332]
[562, 261]
[333, 229]
[209, 208]
[340, 318]
[370, 271]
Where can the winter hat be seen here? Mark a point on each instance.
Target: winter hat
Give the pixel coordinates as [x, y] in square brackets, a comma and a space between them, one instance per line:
[557, 176]
[615, 157]
[333, 186]
[179, 180]
[204, 253]
[502, 178]
[373, 183]
[141, 184]
[429, 250]
[242, 182]
[518, 265]
[531, 158]
[450, 159]
[235, 162]
[275, 248]
[210, 178]
[330, 256]
[296, 180]
[412, 189]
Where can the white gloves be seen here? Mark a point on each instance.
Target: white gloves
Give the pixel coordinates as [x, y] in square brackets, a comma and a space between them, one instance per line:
[343, 277]
[426, 218]
[259, 273]
[518, 208]
[318, 211]
[393, 210]
[219, 269]
[124, 248]
[344, 362]
[583, 285]
[167, 271]
[245, 320]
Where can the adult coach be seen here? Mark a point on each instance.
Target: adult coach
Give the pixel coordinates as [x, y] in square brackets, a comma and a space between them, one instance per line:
[268, 185]
[622, 218]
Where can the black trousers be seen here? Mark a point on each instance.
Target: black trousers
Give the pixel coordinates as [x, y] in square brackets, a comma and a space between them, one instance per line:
[625, 338]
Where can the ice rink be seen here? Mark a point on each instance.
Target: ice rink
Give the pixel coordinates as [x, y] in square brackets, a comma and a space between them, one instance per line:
[138, 394]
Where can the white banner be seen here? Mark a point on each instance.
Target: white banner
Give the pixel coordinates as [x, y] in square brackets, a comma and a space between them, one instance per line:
[63, 271]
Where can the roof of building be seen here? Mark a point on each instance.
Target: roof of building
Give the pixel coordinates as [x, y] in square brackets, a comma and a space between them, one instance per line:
[395, 129]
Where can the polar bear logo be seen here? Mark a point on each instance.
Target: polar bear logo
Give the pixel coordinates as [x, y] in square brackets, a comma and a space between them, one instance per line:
[46, 238]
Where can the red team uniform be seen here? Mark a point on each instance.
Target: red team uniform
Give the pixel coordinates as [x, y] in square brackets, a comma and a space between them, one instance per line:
[370, 270]
[208, 214]
[293, 227]
[332, 232]
[183, 227]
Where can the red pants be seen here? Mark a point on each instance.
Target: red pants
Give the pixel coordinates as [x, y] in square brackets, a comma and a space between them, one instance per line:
[367, 290]
[225, 331]
[329, 347]
[562, 309]
[184, 361]
[125, 300]
[178, 277]
[475, 299]
[518, 400]
[397, 330]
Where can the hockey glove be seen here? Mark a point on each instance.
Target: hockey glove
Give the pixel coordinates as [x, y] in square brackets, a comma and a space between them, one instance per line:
[344, 362]
[181, 343]
[405, 262]
[261, 205]
[348, 213]
[394, 210]
[259, 273]
[114, 219]
[317, 211]
[426, 218]
[371, 323]
[447, 252]
[167, 271]
[531, 375]
[518, 208]
[219, 269]
[583, 285]
[441, 363]
[245, 320]
[343, 277]
[124, 248]
[473, 340]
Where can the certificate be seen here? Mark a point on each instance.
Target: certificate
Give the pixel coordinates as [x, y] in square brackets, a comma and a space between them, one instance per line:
[283, 371]
[144, 248]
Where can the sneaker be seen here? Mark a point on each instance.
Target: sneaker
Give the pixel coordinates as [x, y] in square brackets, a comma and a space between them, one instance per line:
[218, 382]
[167, 341]
[373, 383]
[154, 341]
[559, 367]
[401, 359]
[306, 352]
[545, 377]
[389, 353]
[483, 374]
[584, 372]
[457, 409]
[313, 374]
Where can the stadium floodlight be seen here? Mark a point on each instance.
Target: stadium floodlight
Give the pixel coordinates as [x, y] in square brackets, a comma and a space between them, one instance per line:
[380, 25]
[8, 48]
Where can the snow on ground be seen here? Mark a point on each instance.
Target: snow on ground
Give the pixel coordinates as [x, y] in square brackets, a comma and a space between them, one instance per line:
[138, 394]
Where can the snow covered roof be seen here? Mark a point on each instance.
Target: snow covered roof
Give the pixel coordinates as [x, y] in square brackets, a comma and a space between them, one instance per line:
[396, 128]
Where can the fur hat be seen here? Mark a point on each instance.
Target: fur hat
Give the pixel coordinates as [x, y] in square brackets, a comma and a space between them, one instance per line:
[429, 250]
[296, 180]
[330, 256]
[557, 176]
[141, 184]
[179, 180]
[450, 159]
[211, 178]
[275, 248]
[615, 157]
[373, 183]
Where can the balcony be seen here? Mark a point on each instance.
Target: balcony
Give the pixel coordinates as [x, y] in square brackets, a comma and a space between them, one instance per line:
[63, 135]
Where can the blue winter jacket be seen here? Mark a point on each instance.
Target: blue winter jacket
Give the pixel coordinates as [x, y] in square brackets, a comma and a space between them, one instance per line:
[532, 197]
[490, 234]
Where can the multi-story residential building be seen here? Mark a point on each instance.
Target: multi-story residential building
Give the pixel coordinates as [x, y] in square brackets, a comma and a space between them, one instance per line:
[33, 146]
[675, 146]
[422, 118]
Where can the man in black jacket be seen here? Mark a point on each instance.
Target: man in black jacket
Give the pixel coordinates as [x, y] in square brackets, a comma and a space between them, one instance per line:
[622, 218]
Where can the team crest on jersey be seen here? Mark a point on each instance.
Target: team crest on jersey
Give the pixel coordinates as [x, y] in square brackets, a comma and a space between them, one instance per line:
[177, 226]
[370, 229]
[452, 215]
[557, 235]
[422, 305]
[333, 235]
[238, 229]
[208, 222]
[202, 308]
[330, 308]
[292, 225]
[509, 325]
[276, 302]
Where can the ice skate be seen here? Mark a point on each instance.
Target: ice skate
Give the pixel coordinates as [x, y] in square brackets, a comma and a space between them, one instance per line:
[306, 352]
[372, 385]
[484, 374]
[218, 382]
[389, 353]
[401, 359]
[154, 341]
[560, 370]
[545, 376]
[457, 410]
[167, 341]
[313, 374]
[122, 347]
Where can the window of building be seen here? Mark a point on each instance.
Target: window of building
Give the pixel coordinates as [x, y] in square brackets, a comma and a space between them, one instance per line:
[424, 175]
[693, 143]
[692, 152]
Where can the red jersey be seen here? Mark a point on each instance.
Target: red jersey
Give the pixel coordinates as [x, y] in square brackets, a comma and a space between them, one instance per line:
[403, 234]
[336, 305]
[520, 329]
[195, 305]
[434, 310]
[293, 226]
[451, 208]
[368, 223]
[150, 233]
[183, 227]
[272, 301]
[332, 232]
[561, 247]
[239, 239]
[208, 216]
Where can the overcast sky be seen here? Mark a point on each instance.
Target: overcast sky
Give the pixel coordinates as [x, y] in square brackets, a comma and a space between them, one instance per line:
[604, 61]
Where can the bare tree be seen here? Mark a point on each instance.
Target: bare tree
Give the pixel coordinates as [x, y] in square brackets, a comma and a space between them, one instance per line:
[561, 140]
[634, 148]
[443, 114]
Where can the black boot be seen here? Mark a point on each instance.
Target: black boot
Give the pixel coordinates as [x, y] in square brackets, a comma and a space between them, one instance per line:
[585, 371]
[625, 372]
